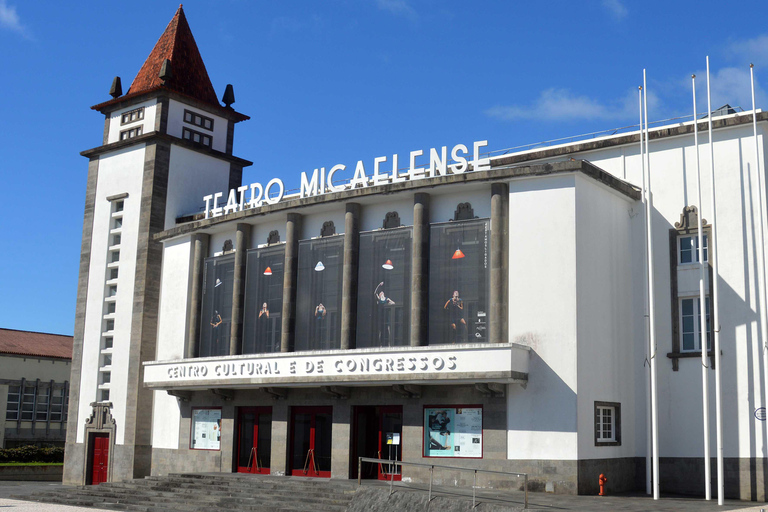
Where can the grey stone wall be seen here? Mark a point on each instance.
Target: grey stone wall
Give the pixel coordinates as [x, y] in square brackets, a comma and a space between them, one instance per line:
[562, 475]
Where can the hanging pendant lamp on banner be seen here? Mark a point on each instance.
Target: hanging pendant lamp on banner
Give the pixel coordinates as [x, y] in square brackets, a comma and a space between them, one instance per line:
[319, 267]
[457, 255]
[268, 271]
[387, 265]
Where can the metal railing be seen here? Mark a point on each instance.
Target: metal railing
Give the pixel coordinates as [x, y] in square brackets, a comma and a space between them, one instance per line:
[432, 467]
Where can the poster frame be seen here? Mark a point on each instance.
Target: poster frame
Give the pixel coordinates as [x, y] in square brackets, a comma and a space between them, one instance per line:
[453, 406]
[192, 428]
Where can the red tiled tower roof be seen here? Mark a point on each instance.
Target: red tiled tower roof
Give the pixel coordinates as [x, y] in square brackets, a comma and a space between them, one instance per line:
[189, 76]
[35, 344]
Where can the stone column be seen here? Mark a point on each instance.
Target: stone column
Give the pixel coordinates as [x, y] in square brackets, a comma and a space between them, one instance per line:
[340, 433]
[349, 276]
[290, 274]
[199, 252]
[420, 270]
[242, 240]
[279, 457]
[497, 321]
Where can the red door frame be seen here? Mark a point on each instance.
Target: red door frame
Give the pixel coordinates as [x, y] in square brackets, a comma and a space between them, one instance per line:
[99, 458]
[242, 466]
[312, 470]
[397, 476]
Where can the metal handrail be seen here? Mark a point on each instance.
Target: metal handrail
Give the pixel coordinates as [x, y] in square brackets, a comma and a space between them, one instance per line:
[432, 467]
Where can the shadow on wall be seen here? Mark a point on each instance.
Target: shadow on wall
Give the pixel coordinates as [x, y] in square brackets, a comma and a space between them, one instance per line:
[544, 381]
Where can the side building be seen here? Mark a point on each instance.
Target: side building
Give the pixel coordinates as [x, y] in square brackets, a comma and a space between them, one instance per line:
[465, 309]
[34, 388]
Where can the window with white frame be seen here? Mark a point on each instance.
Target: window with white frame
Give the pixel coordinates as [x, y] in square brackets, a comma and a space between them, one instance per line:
[132, 115]
[690, 324]
[607, 424]
[196, 137]
[688, 249]
[41, 407]
[198, 120]
[14, 400]
[28, 402]
[131, 133]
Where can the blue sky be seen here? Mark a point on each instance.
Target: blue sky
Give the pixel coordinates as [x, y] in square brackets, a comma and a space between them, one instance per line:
[336, 81]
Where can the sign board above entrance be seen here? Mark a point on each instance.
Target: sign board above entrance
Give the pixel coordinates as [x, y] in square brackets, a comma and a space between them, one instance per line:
[321, 182]
[470, 363]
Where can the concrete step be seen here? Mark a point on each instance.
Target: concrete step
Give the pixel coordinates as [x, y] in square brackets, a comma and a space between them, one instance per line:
[189, 492]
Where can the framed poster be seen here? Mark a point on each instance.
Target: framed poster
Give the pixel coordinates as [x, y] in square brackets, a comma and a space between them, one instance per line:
[453, 432]
[206, 429]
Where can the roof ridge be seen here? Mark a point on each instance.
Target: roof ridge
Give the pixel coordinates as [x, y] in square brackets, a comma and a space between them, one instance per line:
[36, 332]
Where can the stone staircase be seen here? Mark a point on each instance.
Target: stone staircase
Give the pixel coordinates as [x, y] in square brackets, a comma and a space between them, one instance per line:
[209, 492]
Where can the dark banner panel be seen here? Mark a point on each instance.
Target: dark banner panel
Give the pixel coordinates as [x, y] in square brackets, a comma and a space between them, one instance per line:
[459, 274]
[263, 300]
[216, 315]
[318, 300]
[384, 288]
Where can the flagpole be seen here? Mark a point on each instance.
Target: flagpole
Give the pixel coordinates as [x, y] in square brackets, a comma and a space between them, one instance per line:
[714, 301]
[649, 451]
[651, 305]
[760, 247]
[702, 308]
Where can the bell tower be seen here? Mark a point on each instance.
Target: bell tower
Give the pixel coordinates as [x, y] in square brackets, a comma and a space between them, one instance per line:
[167, 142]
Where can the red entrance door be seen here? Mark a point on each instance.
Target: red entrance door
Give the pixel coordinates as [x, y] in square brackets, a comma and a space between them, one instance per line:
[254, 440]
[311, 441]
[390, 442]
[100, 458]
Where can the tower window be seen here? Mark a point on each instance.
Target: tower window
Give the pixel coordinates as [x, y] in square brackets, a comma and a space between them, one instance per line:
[196, 137]
[131, 133]
[132, 115]
[196, 119]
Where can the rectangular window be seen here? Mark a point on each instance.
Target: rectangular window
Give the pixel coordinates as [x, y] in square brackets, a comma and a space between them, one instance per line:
[318, 302]
[14, 400]
[106, 360]
[607, 424]
[112, 290]
[263, 300]
[118, 223]
[114, 256]
[216, 314]
[132, 115]
[41, 413]
[28, 403]
[119, 206]
[106, 377]
[689, 249]
[690, 324]
[116, 239]
[110, 308]
[459, 280]
[104, 395]
[384, 288]
[108, 342]
[131, 133]
[113, 273]
[57, 404]
[196, 137]
[198, 120]
[110, 325]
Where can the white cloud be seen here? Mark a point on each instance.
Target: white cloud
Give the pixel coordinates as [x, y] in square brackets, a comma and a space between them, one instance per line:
[398, 8]
[10, 19]
[563, 105]
[729, 85]
[617, 9]
[753, 50]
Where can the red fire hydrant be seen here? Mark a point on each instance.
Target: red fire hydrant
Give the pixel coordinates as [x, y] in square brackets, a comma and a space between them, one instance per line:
[603, 479]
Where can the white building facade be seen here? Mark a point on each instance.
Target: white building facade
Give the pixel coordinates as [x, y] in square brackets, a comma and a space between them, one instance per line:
[484, 309]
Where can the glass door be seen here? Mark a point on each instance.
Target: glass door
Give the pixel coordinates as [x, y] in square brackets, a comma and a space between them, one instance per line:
[254, 440]
[390, 441]
[311, 441]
